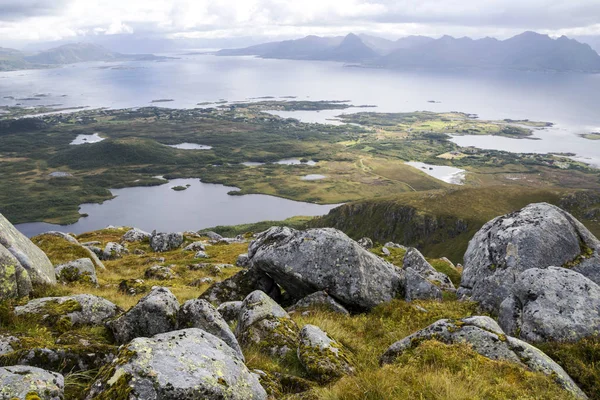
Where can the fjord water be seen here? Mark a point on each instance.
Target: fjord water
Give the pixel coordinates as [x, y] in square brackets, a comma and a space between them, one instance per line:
[202, 205]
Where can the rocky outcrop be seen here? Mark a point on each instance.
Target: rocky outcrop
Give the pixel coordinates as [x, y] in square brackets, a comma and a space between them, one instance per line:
[538, 236]
[160, 273]
[14, 279]
[81, 270]
[113, 251]
[196, 246]
[241, 285]
[263, 323]
[161, 242]
[552, 304]
[415, 260]
[185, 364]
[303, 262]
[135, 235]
[203, 315]
[323, 358]
[30, 257]
[319, 300]
[153, 314]
[22, 382]
[62, 313]
[488, 339]
[230, 310]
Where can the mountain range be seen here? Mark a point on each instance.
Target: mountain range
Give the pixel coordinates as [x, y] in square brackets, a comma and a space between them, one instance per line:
[11, 59]
[527, 51]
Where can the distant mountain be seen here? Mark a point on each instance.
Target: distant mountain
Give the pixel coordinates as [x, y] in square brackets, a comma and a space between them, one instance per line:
[527, 51]
[11, 59]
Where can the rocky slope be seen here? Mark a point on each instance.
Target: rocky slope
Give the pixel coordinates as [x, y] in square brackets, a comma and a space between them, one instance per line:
[290, 314]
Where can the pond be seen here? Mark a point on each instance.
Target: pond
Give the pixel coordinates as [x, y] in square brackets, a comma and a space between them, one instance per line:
[190, 146]
[201, 206]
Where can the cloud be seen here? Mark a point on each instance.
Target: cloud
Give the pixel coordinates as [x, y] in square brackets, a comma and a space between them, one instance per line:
[11, 10]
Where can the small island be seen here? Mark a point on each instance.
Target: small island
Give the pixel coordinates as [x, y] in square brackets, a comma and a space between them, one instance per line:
[180, 188]
[591, 136]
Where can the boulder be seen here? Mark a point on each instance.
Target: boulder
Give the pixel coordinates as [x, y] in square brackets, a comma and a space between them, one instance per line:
[155, 313]
[94, 257]
[485, 337]
[63, 235]
[81, 270]
[319, 300]
[211, 235]
[196, 246]
[366, 243]
[392, 245]
[7, 344]
[416, 287]
[304, 262]
[203, 315]
[22, 382]
[160, 273]
[185, 364]
[201, 254]
[63, 313]
[538, 236]
[243, 261]
[113, 251]
[386, 252]
[161, 242]
[241, 285]
[324, 358]
[415, 260]
[263, 323]
[552, 304]
[36, 263]
[14, 279]
[133, 287]
[135, 235]
[230, 310]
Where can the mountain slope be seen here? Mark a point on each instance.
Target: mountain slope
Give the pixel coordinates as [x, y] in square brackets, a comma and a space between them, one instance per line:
[352, 49]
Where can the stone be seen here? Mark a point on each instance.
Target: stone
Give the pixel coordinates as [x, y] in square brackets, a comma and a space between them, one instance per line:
[66, 312]
[64, 360]
[113, 251]
[241, 285]
[133, 287]
[203, 315]
[211, 235]
[415, 260]
[135, 235]
[303, 262]
[386, 251]
[94, 257]
[392, 245]
[14, 279]
[263, 323]
[201, 282]
[320, 300]
[538, 236]
[161, 242]
[416, 287]
[324, 358]
[366, 243]
[63, 235]
[155, 313]
[230, 310]
[19, 381]
[196, 246]
[32, 258]
[551, 304]
[487, 338]
[201, 254]
[6, 344]
[185, 364]
[243, 261]
[81, 270]
[160, 273]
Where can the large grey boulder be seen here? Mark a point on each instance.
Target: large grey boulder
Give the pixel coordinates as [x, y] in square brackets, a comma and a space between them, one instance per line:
[64, 312]
[32, 258]
[488, 339]
[161, 242]
[196, 246]
[319, 300]
[230, 310]
[135, 235]
[416, 287]
[415, 260]
[154, 313]
[113, 251]
[64, 360]
[241, 285]
[82, 270]
[184, 364]
[324, 358]
[203, 315]
[159, 272]
[19, 381]
[304, 262]
[14, 279]
[552, 304]
[263, 323]
[538, 236]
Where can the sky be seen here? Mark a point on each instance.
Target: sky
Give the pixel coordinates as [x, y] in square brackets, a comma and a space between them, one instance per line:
[35, 22]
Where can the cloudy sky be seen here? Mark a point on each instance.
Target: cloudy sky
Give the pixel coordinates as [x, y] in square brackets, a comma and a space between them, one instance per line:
[23, 22]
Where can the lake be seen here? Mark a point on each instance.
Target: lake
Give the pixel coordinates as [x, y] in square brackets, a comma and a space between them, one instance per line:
[202, 205]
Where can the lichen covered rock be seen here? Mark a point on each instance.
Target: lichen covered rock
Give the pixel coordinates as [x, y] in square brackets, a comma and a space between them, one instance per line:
[263, 323]
[415, 260]
[136, 235]
[319, 300]
[161, 242]
[417, 287]
[81, 270]
[230, 310]
[14, 279]
[196, 246]
[22, 382]
[153, 314]
[323, 358]
[241, 285]
[113, 251]
[184, 364]
[159, 272]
